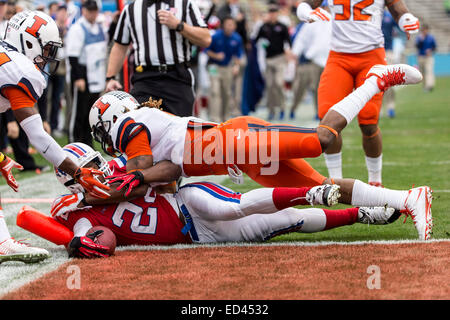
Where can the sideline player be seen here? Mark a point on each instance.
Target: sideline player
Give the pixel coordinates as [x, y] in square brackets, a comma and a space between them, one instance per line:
[150, 135]
[31, 41]
[199, 212]
[357, 44]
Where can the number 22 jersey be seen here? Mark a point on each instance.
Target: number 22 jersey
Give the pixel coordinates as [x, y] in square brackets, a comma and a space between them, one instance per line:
[149, 220]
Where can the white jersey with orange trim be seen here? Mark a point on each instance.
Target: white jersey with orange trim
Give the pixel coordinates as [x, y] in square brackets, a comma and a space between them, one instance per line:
[166, 132]
[356, 25]
[16, 70]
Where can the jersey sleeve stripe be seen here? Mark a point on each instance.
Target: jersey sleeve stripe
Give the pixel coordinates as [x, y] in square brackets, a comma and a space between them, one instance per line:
[26, 85]
[127, 131]
[132, 131]
[121, 131]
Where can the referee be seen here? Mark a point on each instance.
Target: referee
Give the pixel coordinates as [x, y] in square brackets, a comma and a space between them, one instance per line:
[161, 32]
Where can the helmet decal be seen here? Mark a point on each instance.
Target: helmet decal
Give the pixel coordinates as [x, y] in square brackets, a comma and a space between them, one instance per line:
[102, 106]
[75, 149]
[35, 35]
[34, 29]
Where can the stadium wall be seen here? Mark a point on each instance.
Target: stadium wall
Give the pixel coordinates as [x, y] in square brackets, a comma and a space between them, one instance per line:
[441, 63]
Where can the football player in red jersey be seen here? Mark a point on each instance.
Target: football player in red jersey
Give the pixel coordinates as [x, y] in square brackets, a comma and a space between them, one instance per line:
[198, 212]
[31, 41]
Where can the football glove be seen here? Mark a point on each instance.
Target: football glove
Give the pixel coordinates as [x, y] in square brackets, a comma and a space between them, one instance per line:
[409, 23]
[86, 177]
[307, 14]
[68, 203]
[6, 167]
[130, 179]
[85, 247]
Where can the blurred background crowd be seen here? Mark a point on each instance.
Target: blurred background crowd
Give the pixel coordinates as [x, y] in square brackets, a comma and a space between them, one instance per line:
[261, 60]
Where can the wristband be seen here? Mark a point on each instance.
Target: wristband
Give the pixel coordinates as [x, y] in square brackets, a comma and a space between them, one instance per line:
[110, 78]
[180, 27]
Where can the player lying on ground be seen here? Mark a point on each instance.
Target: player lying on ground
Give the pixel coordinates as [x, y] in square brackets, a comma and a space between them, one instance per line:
[31, 42]
[148, 135]
[199, 212]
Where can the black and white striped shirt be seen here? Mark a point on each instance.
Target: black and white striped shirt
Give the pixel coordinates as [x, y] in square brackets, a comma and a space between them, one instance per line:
[153, 43]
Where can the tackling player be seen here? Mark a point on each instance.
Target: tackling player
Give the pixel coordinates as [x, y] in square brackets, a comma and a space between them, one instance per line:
[148, 135]
[31, 42]
[199, 212]
[357, 44]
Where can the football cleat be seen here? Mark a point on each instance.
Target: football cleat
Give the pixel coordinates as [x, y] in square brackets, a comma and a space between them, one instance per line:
[377, 215]
[418, 206]
[13, 250]
[326, 194]
[395, 74]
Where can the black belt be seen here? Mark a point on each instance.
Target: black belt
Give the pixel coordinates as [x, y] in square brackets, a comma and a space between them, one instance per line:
[163, 68]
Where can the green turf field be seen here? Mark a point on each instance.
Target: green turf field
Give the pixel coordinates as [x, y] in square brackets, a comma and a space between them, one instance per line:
[416, 152]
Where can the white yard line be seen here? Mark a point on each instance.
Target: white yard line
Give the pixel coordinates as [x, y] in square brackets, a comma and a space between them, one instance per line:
[280, 244]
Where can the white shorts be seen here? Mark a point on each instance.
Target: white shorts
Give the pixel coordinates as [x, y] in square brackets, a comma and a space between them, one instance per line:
[222, 215]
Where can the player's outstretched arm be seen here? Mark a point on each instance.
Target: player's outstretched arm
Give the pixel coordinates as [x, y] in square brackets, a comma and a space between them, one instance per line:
[164, 171]
[84, 201]
[31, 122]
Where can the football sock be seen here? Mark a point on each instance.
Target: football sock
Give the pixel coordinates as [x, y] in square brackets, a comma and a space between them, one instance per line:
[338, 218]
[289, 197]
[350, 106]
[334, 165]
[369, 196]
[4, 232]
[374, 168]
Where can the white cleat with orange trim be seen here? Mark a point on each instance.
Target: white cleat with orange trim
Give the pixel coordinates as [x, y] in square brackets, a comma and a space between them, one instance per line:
[394, 74]
[418, 206]
[13, 250]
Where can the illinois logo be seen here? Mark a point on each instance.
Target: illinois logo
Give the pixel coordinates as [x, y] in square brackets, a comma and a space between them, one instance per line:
[38, 23]
[101, 105]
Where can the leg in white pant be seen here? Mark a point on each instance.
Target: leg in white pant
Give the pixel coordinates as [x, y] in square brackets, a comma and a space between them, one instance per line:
[220, 214]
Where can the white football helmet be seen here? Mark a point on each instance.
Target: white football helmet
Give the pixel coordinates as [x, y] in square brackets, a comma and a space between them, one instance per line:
[104, 113]
[81, 154]
[36, 35]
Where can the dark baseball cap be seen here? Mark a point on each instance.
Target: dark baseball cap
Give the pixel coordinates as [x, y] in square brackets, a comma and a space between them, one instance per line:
[90, 5]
